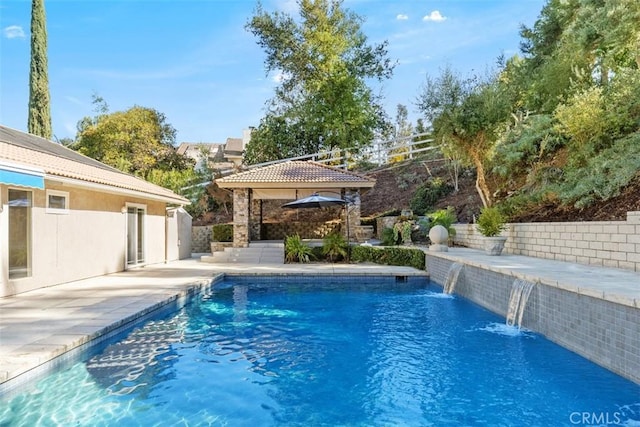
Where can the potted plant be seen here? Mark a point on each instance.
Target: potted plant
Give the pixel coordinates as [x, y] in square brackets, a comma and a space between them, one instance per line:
[490, 224]
[402, 229]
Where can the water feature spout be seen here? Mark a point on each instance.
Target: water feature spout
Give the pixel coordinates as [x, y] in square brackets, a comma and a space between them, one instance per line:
[520, 291]
[452, 277]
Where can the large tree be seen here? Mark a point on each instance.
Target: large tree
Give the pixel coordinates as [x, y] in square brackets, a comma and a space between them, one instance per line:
[322, 101]
[39, 121]
[575, 44]
[135, 141]
[468, 116]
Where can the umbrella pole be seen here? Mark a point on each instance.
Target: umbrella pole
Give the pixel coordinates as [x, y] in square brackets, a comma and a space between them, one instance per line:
[346, 211]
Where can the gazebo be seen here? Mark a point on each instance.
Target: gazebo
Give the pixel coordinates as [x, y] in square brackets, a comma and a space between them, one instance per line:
[289, 180]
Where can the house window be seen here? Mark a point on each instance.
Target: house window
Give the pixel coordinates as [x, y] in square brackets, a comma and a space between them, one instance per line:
[19, 234]
[57, 202]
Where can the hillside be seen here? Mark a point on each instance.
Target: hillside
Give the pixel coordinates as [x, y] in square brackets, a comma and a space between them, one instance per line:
[392, 193]
[396, 185]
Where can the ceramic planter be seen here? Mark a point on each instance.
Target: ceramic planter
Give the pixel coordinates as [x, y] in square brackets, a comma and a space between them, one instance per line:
[494, 245]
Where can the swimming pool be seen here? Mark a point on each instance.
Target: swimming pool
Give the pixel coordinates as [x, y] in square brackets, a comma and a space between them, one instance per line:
[340, 351]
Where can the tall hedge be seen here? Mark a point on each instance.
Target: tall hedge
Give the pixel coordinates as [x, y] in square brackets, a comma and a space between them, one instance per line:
[401, 256]
[39, 120]
[222, 233]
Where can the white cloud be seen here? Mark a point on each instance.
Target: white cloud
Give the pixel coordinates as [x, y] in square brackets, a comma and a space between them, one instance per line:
[14, 32]
[288, 6]
[402, 17]
[74, 100]
[435, 16]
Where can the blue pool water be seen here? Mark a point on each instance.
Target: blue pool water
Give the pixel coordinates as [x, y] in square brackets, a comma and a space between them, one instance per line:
[350, 352]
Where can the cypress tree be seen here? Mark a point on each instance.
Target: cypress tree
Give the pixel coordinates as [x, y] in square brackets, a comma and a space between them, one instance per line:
[39, 122]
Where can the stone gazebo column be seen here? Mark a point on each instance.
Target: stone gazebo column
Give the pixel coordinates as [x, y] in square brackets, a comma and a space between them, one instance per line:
[353, 207]
[255, 219]
[240, 217]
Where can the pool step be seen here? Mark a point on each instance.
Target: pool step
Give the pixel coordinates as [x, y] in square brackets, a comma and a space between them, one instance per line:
[256, 253]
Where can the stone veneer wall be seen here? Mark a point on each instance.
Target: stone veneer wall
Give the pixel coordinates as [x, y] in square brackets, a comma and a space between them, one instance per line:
[353, 210]
[201, 238]
[201, 235]
[255, 218]
[602, 331]
[306, 230]
[241, 217]
[604, 243]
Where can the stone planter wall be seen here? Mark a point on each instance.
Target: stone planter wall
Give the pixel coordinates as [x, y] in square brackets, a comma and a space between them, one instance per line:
[604, 243]
[384, 222]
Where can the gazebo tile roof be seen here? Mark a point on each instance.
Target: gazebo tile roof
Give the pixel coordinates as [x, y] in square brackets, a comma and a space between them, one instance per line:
[296, 171]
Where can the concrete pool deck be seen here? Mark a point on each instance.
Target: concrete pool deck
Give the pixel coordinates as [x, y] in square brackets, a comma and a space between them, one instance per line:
[38, 326]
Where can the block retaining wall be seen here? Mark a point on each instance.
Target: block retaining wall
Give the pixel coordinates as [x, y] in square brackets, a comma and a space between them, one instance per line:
[603, 243]
[602, 331]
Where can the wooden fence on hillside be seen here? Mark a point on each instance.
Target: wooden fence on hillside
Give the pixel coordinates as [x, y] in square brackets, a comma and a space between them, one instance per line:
[379, 153]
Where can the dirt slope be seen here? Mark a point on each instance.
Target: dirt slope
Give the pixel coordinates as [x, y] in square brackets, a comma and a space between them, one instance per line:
[396, 185]
[390, 193]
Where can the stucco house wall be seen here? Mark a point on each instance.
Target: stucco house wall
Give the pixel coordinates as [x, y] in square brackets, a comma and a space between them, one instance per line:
[97, 217]
[88, 241]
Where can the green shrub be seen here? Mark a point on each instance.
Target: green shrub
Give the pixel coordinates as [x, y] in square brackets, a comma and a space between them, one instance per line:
[604, 174]
[316, 254]
[364, 165]
[295, 250]
[389, 237]
[490, 222]
[405, 179]
[402, 230]
[521, 202]
[531, 141]
[222, 233]
[334, 246]
[428, 194]
[622, 102]
[401, 256]
[444, 217]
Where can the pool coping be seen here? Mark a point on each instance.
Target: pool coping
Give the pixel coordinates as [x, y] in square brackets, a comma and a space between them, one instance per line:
[609, 284]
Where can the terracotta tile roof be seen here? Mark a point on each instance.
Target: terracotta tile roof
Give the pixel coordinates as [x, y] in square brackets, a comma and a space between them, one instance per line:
[57, 160]
[295, 174]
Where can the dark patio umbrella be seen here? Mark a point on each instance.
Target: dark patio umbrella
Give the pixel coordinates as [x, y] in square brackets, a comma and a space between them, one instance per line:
[317, 201]
[314, 201]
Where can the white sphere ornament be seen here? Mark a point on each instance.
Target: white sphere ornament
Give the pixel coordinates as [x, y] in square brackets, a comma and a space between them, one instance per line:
[439, 237]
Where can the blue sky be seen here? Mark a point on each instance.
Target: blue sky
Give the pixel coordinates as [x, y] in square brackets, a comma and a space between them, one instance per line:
[194, 61]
